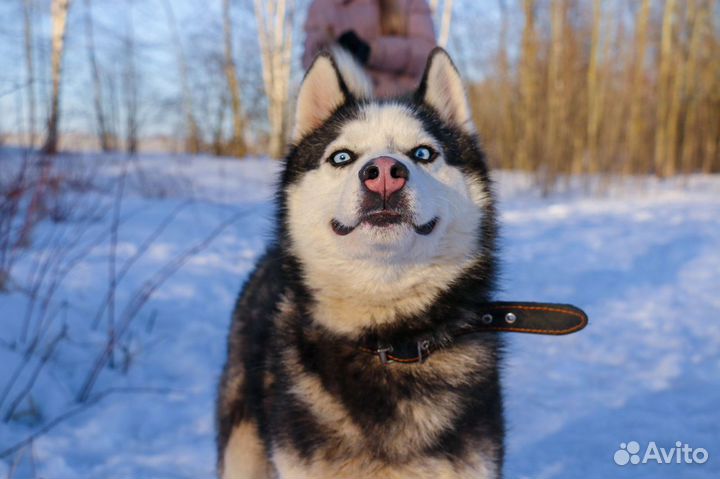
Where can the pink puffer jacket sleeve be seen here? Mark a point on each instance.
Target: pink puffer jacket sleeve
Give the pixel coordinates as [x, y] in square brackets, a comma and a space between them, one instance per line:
[318, 29]
[406, 54]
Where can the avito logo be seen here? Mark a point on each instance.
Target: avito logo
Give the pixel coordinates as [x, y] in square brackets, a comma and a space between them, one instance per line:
[629, 453]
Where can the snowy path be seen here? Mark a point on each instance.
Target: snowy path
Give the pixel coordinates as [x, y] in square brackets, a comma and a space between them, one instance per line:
[644, 264]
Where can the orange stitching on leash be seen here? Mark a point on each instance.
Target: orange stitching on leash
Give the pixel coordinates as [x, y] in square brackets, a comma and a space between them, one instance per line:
[540, 308]
[541, 331]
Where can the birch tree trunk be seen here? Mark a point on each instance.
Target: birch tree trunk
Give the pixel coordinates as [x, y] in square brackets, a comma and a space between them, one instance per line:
[237, 143]
[30, 69]
[275, 32]
[59, 14]
[445, 23]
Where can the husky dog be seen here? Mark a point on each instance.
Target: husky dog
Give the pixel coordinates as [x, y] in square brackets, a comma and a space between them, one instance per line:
[385, 234]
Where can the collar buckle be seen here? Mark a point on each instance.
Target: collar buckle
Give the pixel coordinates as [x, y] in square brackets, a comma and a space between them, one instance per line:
[423, 346]
[382, 351]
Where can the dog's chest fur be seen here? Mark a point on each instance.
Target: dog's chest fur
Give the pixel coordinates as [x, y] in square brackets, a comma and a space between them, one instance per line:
[316, 406]
[322, 408]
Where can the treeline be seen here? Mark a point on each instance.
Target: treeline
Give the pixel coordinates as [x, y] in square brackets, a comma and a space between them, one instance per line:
[592, 86]
[213, 77]
[566, 87]
[134, 76]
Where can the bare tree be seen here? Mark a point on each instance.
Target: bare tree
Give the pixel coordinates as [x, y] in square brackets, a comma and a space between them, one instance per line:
[275, 32]
[130, 88]
[104, 136]
[699, 75]
[637, 125]
[504, 91]
[528, 89]
[237, 145]
[594, 88]
[193, 140]
[59, 12]
[218, 148]
[556, 90]
[666, 115]
[30, 67]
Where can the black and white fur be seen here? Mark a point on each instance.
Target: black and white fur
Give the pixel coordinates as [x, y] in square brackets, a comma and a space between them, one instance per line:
[297, 398]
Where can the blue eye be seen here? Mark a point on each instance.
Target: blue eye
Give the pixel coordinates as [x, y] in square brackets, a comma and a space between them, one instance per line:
[423, 153]
[341, 158]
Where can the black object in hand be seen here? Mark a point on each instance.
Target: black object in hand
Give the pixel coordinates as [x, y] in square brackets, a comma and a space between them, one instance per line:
[355, 45]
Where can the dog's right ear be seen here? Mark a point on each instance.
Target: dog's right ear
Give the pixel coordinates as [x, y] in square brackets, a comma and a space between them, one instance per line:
[322, 91]
[332, 80]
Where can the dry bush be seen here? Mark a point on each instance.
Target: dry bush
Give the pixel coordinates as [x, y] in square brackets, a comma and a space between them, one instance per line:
[50, 326]
[29, 192]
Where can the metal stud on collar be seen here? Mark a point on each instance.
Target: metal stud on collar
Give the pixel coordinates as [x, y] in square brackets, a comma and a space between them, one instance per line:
[487, 318]
[510, 318]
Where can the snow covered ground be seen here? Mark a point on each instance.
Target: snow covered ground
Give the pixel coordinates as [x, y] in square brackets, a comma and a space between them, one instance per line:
[643, 259]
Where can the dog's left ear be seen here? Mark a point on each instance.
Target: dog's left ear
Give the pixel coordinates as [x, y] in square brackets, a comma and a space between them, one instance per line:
[442, 88]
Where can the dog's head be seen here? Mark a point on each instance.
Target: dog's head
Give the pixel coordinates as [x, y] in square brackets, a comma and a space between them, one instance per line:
[386, 202]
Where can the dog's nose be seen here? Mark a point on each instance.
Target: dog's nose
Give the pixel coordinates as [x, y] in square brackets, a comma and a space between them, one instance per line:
[384, 175]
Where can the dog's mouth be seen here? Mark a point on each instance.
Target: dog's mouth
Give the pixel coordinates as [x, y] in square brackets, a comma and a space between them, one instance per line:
[382, 219]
